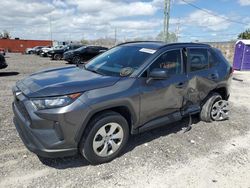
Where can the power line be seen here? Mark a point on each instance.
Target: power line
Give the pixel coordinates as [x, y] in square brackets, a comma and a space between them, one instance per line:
[211, 13]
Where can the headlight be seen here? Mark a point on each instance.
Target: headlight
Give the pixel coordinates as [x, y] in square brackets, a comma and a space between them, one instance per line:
[54, 102]
[68, 53]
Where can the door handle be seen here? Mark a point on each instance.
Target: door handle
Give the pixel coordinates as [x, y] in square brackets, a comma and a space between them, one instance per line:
[180, 85]
[213, 76]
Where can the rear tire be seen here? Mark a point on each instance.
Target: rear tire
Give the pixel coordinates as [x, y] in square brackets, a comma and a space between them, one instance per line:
[104, 138]
[57, 57]
[205, 114]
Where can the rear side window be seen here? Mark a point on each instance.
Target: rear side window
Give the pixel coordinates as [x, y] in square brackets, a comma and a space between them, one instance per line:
[198, 59]
[75, 47]
[93, 49]
[212, 59]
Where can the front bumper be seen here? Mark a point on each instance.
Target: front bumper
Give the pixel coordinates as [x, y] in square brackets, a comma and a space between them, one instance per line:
[43, 54]
[67, 58]
[35, 146]
[50, 133]
[50, 54]
[3, 65]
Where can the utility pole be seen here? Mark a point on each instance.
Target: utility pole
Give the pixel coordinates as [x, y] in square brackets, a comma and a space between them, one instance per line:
[50, 28]
[166, 20]
[177, 31]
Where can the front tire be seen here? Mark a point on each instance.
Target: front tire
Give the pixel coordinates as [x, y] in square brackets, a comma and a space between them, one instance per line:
[77, 60]
[105, 138]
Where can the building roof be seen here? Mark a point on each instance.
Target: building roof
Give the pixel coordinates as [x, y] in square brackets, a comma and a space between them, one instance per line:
[247, 42]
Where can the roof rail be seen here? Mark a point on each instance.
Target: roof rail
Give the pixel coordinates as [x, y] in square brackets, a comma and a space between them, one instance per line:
[184, 43]
[129, 42]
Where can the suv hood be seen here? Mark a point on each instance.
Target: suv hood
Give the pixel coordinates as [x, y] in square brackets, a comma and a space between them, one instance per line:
[61, 50]
[69, 52]
[63, 81]
[46, 49]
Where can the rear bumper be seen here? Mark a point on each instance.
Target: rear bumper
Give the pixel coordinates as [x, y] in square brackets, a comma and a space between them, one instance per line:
[31, 141]
[3, 66]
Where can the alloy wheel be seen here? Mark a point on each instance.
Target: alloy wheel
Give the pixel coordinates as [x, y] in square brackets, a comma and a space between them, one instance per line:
[220, 110]
[77, 60]
[108, 139]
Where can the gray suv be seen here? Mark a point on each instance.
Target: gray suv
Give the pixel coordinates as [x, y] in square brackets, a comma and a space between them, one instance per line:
[131, 88]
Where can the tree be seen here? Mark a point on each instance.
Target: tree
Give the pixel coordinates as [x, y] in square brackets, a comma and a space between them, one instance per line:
[5, 35]
[244, 35]
[84, 42]
[171, 37]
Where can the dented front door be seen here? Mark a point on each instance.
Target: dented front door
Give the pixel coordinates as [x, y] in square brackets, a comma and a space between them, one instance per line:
[162, 97]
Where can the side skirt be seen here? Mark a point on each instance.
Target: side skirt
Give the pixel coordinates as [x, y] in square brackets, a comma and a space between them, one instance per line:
[160, 122]
[171, 118]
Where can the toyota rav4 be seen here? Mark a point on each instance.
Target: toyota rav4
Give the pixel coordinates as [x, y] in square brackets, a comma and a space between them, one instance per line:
[131, 88]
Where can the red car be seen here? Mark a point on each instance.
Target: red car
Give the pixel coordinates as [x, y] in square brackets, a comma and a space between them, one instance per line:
[2, 51]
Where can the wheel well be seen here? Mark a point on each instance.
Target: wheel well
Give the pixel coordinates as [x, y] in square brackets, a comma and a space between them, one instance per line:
[222, 91]
[123, 110]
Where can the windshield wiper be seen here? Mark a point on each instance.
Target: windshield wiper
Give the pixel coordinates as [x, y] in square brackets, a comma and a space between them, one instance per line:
[92, 70]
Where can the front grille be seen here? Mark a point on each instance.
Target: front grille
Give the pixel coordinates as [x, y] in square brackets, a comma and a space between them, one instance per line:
[21, 108]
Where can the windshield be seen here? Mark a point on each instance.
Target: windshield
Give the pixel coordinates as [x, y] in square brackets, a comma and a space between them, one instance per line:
[81, 48]
[58, 47]
[118, 61]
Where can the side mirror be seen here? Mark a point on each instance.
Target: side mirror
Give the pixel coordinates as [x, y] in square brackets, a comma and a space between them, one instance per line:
[157, 74]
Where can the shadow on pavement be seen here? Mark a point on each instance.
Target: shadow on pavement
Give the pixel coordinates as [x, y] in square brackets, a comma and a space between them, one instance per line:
[2, 74]
[134, 141]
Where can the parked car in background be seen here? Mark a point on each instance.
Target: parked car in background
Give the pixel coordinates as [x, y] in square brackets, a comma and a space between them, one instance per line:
[28, 50]
[131, 88]
[2, 51]
[3, 63]
[57, 54]
[44, 51]
[83, 54]
[39, 50]
[33, 50]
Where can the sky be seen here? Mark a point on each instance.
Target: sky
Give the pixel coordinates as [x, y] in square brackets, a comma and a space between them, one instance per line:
[217, 20]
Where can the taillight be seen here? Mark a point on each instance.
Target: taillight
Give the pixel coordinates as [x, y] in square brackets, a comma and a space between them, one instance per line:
[231, 71]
